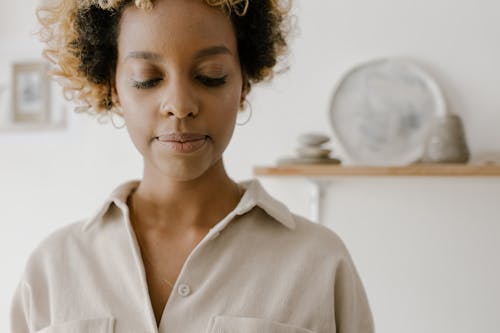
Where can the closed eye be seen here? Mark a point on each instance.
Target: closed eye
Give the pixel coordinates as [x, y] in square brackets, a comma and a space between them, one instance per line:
[146, 84]
[212, 81]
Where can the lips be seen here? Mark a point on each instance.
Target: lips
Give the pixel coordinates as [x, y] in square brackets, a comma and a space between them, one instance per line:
[182, 142]
[180, 137]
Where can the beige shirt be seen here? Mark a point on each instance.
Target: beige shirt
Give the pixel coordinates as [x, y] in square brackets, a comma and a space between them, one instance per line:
[268, 271]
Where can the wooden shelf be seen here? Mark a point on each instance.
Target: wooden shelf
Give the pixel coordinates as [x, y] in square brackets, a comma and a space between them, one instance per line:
[318, 176]
[422, 170]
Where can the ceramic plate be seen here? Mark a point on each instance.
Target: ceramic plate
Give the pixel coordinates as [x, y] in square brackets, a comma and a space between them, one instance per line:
[382, 111]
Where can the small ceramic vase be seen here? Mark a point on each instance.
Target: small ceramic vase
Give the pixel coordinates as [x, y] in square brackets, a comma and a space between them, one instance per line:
[446, 142]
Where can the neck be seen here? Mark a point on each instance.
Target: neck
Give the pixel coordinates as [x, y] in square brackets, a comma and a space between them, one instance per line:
[164, 203]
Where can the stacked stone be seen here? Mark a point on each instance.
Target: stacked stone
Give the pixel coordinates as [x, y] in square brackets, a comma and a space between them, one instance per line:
[311, 151]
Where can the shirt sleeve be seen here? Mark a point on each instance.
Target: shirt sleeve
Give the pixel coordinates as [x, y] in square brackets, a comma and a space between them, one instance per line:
[352, 309]
[19, 310]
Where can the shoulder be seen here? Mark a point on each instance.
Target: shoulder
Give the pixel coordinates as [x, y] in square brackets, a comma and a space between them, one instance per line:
[274, 220]
[318, 236]
[54, 249]
[76, 239]
[61, 237]
[302, 238]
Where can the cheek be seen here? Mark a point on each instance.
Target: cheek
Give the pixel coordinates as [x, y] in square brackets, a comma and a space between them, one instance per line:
[137, 122]
[230, 102]
[225, 111]
[223, 120]
[137, 131]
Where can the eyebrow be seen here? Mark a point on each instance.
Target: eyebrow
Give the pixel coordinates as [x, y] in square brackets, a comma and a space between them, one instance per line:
[155, 57]
[210, 51]
[144, 55]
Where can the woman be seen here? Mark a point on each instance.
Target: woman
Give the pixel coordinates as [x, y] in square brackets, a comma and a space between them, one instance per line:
[186, 248]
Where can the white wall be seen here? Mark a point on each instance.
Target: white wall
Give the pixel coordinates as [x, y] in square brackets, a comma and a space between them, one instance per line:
[425, 248]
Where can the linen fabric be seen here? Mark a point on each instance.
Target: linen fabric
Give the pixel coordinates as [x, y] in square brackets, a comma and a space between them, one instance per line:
[260, 269]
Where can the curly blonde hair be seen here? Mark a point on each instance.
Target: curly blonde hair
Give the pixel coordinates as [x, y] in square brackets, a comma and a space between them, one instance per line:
[81, 42]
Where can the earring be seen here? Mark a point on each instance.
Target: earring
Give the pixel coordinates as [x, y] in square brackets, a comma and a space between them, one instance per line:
[111, 108]
[110, 114]
[249, 115]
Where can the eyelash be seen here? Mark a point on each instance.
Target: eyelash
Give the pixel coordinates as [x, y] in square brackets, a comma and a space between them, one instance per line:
[212, 81]
[207, 81]
[146, 84]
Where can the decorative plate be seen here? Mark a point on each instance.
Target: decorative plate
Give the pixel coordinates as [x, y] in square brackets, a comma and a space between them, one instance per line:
[381, 112]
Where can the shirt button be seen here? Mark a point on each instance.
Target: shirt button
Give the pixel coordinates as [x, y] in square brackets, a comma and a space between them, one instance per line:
[184, 290]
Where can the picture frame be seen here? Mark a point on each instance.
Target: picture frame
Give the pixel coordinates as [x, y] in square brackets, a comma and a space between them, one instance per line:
[30, 93]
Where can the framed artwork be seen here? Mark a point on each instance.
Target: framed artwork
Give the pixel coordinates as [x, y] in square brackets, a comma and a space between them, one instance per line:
[30, 93]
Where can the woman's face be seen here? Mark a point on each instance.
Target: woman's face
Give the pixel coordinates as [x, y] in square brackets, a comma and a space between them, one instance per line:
[178, 72]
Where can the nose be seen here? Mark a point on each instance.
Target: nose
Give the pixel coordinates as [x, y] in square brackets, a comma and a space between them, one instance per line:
[178, 100]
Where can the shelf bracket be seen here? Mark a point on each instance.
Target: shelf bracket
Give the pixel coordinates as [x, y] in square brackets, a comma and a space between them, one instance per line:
[317, 199]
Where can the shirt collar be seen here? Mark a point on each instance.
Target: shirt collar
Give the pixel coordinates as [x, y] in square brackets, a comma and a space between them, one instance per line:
[255, 195]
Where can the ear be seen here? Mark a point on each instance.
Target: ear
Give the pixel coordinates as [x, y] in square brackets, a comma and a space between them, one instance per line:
[114, 93]
[245, 87]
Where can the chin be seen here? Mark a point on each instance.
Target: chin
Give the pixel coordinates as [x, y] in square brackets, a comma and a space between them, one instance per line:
[184, 172]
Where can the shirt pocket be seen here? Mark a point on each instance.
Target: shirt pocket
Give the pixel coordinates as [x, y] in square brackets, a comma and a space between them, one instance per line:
[232, 324]
[95, 325]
